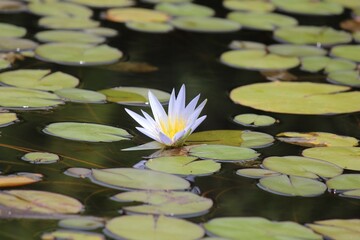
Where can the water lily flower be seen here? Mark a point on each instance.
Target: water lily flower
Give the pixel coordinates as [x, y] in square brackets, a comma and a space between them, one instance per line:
[173, 128]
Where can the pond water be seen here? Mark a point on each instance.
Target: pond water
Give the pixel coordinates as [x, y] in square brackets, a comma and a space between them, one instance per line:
[172, 59]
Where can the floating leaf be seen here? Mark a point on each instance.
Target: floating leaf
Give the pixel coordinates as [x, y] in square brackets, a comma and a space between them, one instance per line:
[73, 235]
[81, 95]
[146, 146]
[351, 194]
[59, 9]
[104, 3]
[356, 36]
[64, 22]
[312, 35]
[345, 157]
[237, 45]
[102, 31]
[141, 179]
[19, 179]
[317, 63]
[302, 167]
[297, 98]
[152, 228]
[348, 78]
[185, 9]
[183, 165]
[317, 139]
[11, 97]
[78, 54]
[257, 228]
[68, 36]
[166, 1]
[279, 75]
[16, 44]
[249, 6]
[346, 3]
[4, 63]
[309, 7]
[89, 132]
[12, 31]
[205, 24]
[262, 21]
[179, 204]
[344, 182]
[11, 6]
[253, 139]
[292, 50]
[339, 229]
[135, 15]
[257, 59]
[81, 223]
[292, 186]
[254, 120]
[223, 153]
[350, 52]
[78, 172]
[38, 79]
[40, 157]
[256, 173]
[151, 27]
[7, 118]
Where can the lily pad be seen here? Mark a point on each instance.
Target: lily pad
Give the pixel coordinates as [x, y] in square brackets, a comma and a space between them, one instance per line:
[78, 172]
[185, 9]
[253, 139]
[345, 157]
[302, 167]
[73, 235]
[298, 98]
[254, 120]
[59, 9]
[223, 153]
[81, 95]
[205, 24]
[38, 79]
[133, 95]
[351, 194]
[102, 31]
[40, 157]
[292, 50]
[81, 223]
[88, 132]
[292, 186]
[73, 23]
[317, 63]
[249, 5]
[309, 7]
[171, 203]
[344, 182]
[183, 165]
[19, 179]
[317, 139]
[262, 21]
[16, 44]
[135, 15]
[237, 45]
[150, 27]
[105, 3]
[339, 229]
[152, 228]
[257, 228]
[356, 36]
[7, 118]
[13, 31]
[78, 54]
[348, 78]
[350, 52]
[312, 35]
[11, 6]
[256, 172]
[346, 3]
[258, 59]
[4, 64]
[68, 36]
[27, 99]
[141, 179]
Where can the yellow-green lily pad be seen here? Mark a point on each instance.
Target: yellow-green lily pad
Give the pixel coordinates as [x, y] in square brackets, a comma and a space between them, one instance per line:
[78, 54]
[237, 45]
[258, 59]
[4, 64]
[67, 23]
[183, 165]
[8, 44]
[38, 79]
[73, 235]
[59, 9]
[348, 78]
[40, 157]
[345, 157]
[81, 95]
[249, 5]
[346, 3]
[102, 31]
[339, 229]
[185, 9]
[256, 172]
[292, 50]
[68, 36]
[165, 1]
[104, 3]
[150, 27]
[171, 203]
[312, 35]
[309, 7]
[254, 120]
[7, 118]
[140, 179]
[81, 223]
[350, 52]
[317, 63]
[298, 98]
[356, 36]
[88, 132]
[152, 228]
[11, 6]
[262, 21]
[351, 194]
[135, 15]
[344, 182]
[13, 31]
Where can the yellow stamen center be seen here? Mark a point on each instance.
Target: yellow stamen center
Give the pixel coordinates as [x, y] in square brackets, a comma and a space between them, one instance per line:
[170, 128]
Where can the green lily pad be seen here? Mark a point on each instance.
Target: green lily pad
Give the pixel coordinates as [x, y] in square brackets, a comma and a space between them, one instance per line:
[309, 7]
[68, 36]
[141, 179]
[38, 79]
[317, 139]
[356, 36]
[59, 9]
[292, 50]
[78, 54]
[185, 9]
[223, 153]
[205, 24]
[150, 27]
[346, 3]
[12, 31]
[27, 99]
[339, 229]
[344, 182]
[345, 157]
[152, 228]
[237, 45]
[7, 118]
[317, 63]
[254, 120]
[257, 228]
[102, 31]
[297, 98]
[292, 186]
[81, 95]
[302, 167]
[40, 157]
[78, 172]
[257, 59]
[89, 132]
[4, 64]
[256, 173]
[262, 21]
[351, 194]
[183, 165]
[133, 95]
[104, 3]
[73, 235]
[249, 5]
[348, 78]
[81, 223]
[165, 1]
[179, 204]
[11, 6]
[350, 52]
[253, 139]
[134, 14]
[16, 44]
[67, 23]
[312, 35]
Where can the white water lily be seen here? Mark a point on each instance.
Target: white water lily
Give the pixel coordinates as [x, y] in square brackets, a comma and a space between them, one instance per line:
[173, 128]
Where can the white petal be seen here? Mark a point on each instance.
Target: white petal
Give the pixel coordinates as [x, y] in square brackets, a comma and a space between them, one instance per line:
[148, 133]
[197, 123]
[157, 109]
[179, 135]
[172, 104]
[141, 120]
[165, 139]
[191, 106]
[196, 113]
